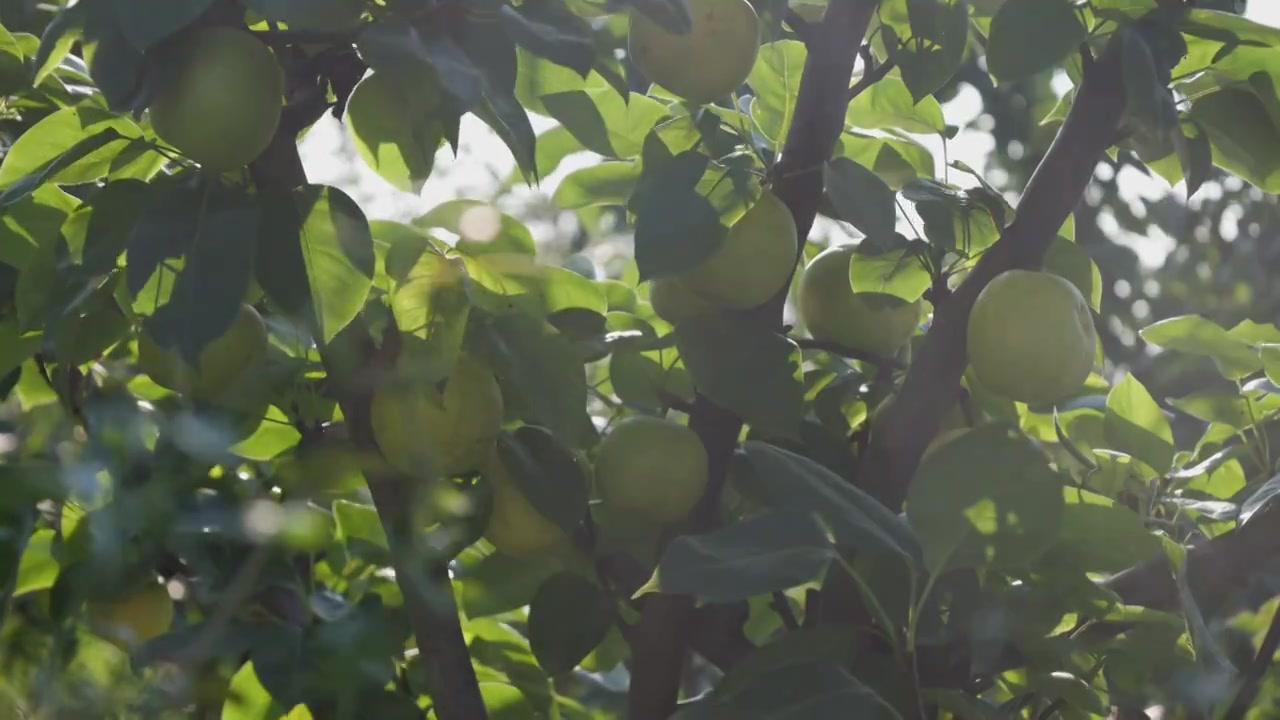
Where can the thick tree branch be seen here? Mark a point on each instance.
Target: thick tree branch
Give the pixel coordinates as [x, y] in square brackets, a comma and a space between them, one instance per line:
[658, 652]
[932, 384]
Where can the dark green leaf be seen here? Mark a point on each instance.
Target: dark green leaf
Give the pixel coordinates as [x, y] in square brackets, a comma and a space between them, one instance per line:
[1101, 536]
[1030, 36]
[777, 550]
[568, 618]
[861, 197]
[1136, 425]
[549, 29]
[753, 371]
[498, 583]
[985, 499]
[315, 257]
[215, 278]
[896, 273]
[1198, 336]
[541, 374]
[147, 22]
[788, 480]
[550, 475]
[676, 227]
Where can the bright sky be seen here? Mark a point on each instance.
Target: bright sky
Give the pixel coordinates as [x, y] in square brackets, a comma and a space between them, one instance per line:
[483, 161]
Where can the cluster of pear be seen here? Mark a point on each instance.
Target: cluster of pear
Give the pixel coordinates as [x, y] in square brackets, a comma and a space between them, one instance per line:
[645, 466]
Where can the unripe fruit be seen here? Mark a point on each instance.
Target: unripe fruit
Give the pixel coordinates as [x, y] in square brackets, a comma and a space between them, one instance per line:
[651, 466]
[132, 620]
[220, 102]
[674, 301]
[515, 526]
[222, 362]
[1031, 337]
[419, 428]
[709, 62]
[755, 260]
[832, 311]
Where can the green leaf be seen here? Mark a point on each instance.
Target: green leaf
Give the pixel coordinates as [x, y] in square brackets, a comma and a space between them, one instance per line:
[550, 475]
[30, 223]
[274, 435]
[430, 302]
[1101, 536]
[1243, 136]
[939, 35]
[60, 35]
[568, 618]
[86, 135]
[505, 702]
[896, 273]
[550, 29]
[38, 569]
[16, 346]
[896, 160]
[396, 133]
[777, 550]
[602, 184]
[497, 583]
[480, 227]
[248, 700]
[1136, 425]
[541, 375]
[860, 197]
[676, 227]
[787, 480]
[215, 277]
[985, 499]
[603, 122]
[1196, 335]
[315, 257]
[1067, 259]
[147, 22]
[1030, 36]
[888, 104]
[775, 84]
[357, 523]
[493, 54]
[750, 370]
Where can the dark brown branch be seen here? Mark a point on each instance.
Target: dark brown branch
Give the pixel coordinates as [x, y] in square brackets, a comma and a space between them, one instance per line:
[932, 385]
[871, 76]
[659, 647]
[1248, 691]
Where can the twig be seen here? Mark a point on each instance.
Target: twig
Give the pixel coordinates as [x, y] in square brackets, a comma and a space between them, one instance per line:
[781, 605]
[1248, 691]
[848, 352]
[871, 76]
[667, 622]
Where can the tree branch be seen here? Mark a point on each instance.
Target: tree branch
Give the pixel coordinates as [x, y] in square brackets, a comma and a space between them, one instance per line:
[1248, 692]
[665, 625]
[932, 385]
